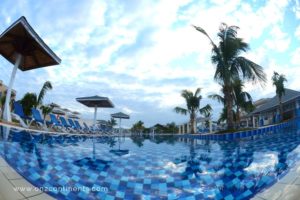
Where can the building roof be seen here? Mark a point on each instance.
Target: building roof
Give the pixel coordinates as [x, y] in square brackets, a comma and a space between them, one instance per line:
[273, 102]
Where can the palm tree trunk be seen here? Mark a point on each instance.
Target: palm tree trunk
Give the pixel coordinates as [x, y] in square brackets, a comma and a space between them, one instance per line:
[192, 119]
[237, 117]
[229, 104]
[280, 109]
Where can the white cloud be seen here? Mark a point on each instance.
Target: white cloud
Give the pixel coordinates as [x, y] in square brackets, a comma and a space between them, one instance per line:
[145, 53]
[297, 33]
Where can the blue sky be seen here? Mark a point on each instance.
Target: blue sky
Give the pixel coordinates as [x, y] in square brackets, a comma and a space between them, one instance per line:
[141, 54]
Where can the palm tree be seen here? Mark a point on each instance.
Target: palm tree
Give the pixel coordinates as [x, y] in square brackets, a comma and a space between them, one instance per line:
[28, 101]
[230, 65]
[31, 100]
[46, 87]
[112, 122]
[193, 106]
[207, 119]
[242, 100]
[46, 110]
[138, 127]
[278, 82]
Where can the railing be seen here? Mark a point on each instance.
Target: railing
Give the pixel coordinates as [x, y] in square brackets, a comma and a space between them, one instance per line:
[247, 133]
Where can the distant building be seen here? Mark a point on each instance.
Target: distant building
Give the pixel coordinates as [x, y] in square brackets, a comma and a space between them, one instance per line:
[200, 126]
[267, 110]
[3, 89]
[245, 118]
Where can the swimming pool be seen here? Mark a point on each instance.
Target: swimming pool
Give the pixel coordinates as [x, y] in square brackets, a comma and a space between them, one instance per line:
[160, 167]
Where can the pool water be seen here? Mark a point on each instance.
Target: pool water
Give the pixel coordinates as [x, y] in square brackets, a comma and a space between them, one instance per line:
[159, 167]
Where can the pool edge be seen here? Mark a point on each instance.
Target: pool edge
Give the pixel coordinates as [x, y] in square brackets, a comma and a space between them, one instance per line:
[10, 180]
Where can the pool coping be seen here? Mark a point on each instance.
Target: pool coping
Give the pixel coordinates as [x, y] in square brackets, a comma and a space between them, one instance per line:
[287, 187]
[15, 187]
[243, 134]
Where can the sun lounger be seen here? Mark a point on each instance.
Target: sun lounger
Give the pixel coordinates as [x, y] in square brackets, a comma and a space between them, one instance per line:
[65, 124]
[55, 123]
[19, 115]
[78, 126]
[36, 116]
[73, 125]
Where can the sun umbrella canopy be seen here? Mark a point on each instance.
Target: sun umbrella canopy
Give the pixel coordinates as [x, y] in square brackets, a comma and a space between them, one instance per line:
[58, 111]
[23, 47]
[73, 116]
[20, 38]
[76, 113]
[66, 110]
[96, 101]
[54, 105]
[120, 115]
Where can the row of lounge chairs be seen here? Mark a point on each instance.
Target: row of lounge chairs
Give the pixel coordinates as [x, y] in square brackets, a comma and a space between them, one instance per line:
[62, 125]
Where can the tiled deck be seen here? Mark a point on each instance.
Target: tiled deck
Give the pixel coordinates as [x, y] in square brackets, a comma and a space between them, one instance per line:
[10, 179]
[287, 188]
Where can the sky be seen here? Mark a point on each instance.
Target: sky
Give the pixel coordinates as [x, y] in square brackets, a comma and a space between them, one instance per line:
[142, 54]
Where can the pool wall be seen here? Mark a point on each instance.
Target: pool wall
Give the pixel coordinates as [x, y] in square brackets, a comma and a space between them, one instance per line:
[294, 123]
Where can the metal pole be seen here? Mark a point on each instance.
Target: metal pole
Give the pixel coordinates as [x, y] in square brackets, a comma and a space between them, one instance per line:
[95, 116]
[119, 125]
[94, 149]
[6, 113]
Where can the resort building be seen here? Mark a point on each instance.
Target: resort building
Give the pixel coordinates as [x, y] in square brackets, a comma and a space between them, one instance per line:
[267, 110]
[199, 126]
[3, 89]
[246, 119]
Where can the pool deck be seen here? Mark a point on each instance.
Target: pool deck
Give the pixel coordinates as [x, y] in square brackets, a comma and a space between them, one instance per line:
[10, 180]
[287, 188]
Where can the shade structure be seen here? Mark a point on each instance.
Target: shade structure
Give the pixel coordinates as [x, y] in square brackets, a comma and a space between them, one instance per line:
[24, 48]
[96, 102]
[66, 110]
[120, 115]
[73, 116]
[54, 105]
[58, 111]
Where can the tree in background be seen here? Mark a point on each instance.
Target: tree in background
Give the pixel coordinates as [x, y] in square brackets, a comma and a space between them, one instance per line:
[138, 127]
[230, 65]
[112, 122]
[46, 110]
[242, 100]
[31, 100]
[192, 106]
[278, 82]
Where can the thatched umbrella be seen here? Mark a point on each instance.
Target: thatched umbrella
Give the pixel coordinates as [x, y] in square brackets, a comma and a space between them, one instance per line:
[24, 48]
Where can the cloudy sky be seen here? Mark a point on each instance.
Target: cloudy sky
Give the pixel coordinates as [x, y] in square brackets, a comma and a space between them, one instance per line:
[141, 54]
